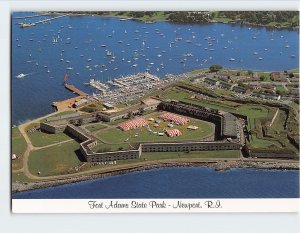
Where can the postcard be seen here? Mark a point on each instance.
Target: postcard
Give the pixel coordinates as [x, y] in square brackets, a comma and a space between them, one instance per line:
[154, 111]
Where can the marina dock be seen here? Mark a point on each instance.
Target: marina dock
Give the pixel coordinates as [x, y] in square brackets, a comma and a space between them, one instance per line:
[75, 90]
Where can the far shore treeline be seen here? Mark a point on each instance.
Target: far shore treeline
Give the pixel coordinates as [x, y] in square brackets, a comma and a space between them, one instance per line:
[287, 19]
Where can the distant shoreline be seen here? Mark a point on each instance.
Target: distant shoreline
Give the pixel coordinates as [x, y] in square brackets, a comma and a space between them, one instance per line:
[167, 20]
[216, 165]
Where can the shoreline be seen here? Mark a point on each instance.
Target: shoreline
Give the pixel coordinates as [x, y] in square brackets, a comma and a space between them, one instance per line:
[167, 20]
[218, 166]
[187, 72]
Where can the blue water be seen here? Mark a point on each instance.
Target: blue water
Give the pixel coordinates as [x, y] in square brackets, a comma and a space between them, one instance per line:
[184, 182]
[33, 95]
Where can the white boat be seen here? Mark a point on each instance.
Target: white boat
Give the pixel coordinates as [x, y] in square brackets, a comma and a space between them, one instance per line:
[21, 75]
[260, 58]
[69, 68]
[231, 59]
[103, 45]
[108, 53]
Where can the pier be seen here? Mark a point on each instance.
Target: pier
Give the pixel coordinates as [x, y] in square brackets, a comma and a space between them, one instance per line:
[23, 25]
[31, 16]
[75, 90]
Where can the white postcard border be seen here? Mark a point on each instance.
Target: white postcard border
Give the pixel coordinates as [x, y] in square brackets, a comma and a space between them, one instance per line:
[155, 205]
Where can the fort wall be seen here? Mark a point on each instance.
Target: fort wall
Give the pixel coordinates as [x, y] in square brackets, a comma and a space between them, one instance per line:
[189, 146]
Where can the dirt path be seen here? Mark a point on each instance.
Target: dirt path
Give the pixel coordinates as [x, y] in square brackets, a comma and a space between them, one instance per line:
[30, 147]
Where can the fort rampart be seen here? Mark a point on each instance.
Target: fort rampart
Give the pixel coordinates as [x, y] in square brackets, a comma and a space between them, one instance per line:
[68, 125]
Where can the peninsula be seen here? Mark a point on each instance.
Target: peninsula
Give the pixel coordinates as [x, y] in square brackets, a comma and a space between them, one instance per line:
[210, 117]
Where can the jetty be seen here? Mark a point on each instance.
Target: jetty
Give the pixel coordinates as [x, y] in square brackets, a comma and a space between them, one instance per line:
[75, 90]
[23, 25]
[31, 16]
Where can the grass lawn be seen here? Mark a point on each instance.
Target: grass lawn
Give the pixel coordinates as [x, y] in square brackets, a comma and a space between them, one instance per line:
[92, 107]
[115, 135]
[54, 160]
[222, 19]
[94, 127]
[19, 146]
[281, 88]
[19, 176]
[278, 124]
[262, 143]
[198, 71]
[175, 93]
[39, 139]
[295, 70]
[255, 111]
[64, 113]
[112, 147]
[251, 110]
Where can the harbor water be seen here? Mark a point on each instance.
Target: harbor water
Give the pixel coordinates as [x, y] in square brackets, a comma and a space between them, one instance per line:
[104, 48]
[183, 182]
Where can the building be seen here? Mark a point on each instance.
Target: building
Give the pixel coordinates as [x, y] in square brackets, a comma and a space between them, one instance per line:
[241, 90]
[225, 127]
[80, 103]
[108, 106]
[173, 132]
[266, 96]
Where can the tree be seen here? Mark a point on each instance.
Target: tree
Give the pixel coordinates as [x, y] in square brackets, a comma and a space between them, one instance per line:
[250, 72]
[72, 122]
[129, 114]
[98, 117]
[79, 122]
[141, 111]
[215, 68]
[280, 92]
[262, 77]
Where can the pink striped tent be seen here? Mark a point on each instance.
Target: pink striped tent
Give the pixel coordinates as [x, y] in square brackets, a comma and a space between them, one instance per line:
[173, 133]
[133, 124]
[174, 118]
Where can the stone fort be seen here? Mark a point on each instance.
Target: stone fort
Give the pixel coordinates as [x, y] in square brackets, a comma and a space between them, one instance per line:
[225, 136]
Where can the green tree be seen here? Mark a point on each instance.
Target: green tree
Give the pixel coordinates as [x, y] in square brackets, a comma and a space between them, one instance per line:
[262, 78]
[215, 68]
